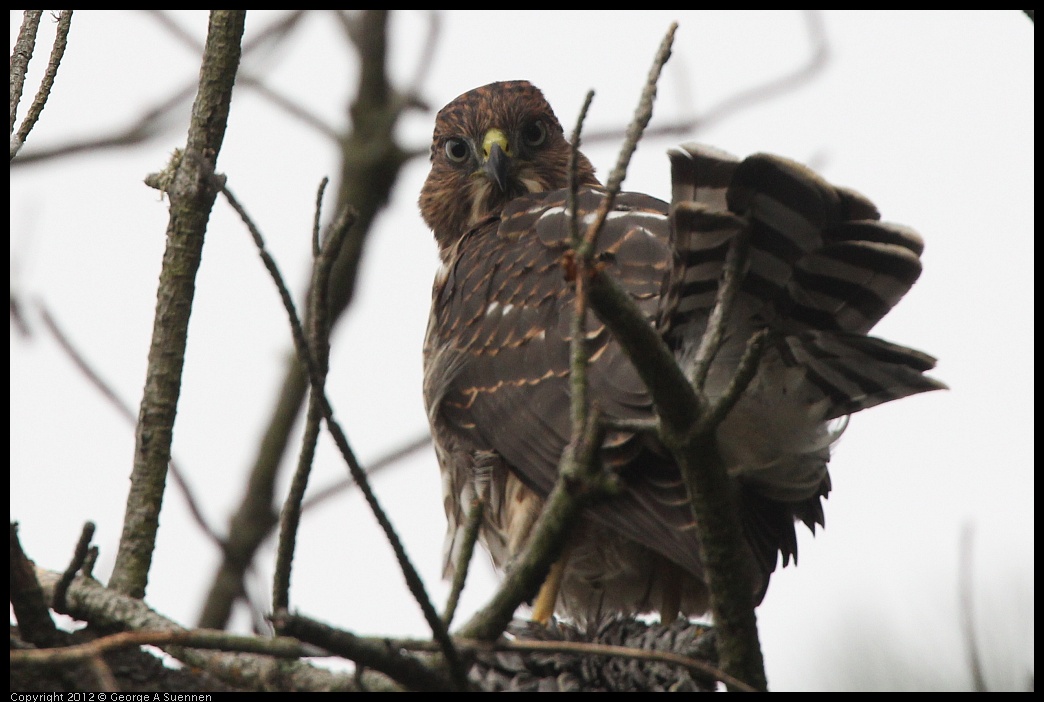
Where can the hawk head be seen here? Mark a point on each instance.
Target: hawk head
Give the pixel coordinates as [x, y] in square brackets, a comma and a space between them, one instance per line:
[491, 145]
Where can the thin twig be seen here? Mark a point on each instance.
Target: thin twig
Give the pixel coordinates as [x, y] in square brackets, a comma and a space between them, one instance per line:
[378, 654]
[253, 519]
[319, 346]
[638, 124]
[147, 126]
[818, 59]
[61, 40]
[152, 122]
[467, 550]
[79, 558]
[316, 222]
[125, 411]
[578, 356]
[370, 164]
[413, 579]
[307, 357]
[733, 274]
[574, 153]
[746, 369]
[965, 580]
[391, 458]
[269, 263]
[745, 98]
[268, 39]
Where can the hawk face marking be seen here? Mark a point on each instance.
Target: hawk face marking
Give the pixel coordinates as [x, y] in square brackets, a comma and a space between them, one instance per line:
[490, 146]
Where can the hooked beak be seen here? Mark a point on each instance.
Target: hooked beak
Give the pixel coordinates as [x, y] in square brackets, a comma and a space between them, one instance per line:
[497, 153]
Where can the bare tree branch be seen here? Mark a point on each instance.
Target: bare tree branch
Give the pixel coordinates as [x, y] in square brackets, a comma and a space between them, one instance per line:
[21, 55]
[61, 39]
[27, 597]
[379, 654]
[206, 640]
[319, 346]
[88, 600]
[191, 196]
[467, 550]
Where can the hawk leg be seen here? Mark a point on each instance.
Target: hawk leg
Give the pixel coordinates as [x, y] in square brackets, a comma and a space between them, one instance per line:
[544, 604]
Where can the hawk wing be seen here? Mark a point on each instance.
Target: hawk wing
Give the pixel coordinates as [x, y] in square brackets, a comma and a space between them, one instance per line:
[499, 345]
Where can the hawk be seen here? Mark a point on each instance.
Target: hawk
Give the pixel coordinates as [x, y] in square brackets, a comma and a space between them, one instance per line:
[822, 270]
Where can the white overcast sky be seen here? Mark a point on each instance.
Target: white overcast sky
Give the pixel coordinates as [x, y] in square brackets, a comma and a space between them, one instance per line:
[928, 113]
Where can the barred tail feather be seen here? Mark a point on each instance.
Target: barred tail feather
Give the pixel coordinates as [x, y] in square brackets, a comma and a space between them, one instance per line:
[855, 372]
[819, 256]
[822, 270]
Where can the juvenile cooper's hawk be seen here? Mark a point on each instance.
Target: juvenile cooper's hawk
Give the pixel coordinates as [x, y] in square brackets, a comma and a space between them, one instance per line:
[822, 271]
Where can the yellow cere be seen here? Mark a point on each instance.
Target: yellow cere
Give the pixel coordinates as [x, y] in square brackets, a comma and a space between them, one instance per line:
[495, 136]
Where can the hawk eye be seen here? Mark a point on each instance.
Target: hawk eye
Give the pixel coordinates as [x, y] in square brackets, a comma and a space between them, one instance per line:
[534, 133]
[457, 150]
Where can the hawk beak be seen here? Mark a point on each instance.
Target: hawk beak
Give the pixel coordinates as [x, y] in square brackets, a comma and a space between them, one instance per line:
[497, 151]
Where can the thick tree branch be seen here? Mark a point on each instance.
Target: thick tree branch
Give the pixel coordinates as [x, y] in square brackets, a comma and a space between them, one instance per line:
[87, 600]
[21, 55]
[191, 198]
